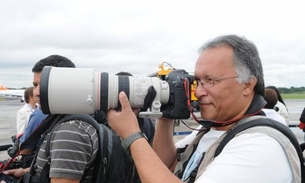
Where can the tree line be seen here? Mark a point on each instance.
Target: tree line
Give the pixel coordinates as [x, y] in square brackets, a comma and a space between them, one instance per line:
[291, 89]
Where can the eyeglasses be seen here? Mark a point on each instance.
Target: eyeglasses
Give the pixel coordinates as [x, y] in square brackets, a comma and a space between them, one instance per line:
[209, 82]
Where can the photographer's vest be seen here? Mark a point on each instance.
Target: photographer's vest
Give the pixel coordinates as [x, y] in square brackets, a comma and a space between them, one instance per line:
[258, 125]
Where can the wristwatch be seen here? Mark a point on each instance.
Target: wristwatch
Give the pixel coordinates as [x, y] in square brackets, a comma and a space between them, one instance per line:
[130, 139]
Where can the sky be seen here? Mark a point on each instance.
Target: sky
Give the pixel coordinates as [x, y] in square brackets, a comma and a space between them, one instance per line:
[137, 36]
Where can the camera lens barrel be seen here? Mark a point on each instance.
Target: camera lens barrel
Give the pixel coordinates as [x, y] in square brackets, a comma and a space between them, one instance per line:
[83, 90]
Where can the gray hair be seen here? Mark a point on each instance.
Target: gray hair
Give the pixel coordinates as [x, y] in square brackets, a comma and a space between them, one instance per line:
[246, 58]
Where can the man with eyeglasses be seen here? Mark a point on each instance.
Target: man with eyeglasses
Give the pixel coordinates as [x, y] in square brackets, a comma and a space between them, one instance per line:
[229, 90]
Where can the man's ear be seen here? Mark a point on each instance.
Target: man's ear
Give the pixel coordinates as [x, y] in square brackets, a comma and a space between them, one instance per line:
[249, 86]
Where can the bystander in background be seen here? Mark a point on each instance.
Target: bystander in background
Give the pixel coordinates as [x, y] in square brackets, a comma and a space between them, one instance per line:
[281, 107]
[23, 114]
[302, 121]
[23, 118]
[270, 97]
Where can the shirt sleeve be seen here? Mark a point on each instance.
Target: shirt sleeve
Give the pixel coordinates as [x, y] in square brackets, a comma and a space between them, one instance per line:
[35, 119]
[20, 121]
[73, 148]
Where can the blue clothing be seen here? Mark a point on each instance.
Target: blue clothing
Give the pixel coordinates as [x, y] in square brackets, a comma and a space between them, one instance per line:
[35, 119]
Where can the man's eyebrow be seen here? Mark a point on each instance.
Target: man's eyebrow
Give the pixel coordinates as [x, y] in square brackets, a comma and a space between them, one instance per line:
[204, 76]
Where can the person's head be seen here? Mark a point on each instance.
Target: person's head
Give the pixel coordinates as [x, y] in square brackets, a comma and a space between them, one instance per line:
[229, 73]
[277, 93]
[52, 60]
[28, 94]
[271, 98]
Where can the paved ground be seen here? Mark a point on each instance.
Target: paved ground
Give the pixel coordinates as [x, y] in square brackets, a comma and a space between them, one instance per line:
[8, 110]
[9, 107]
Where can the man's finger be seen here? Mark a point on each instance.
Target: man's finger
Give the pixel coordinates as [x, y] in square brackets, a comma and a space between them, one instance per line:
[124, 101]
[6, 172]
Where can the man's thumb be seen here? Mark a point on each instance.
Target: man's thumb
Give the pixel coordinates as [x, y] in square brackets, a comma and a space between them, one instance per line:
[123, 100]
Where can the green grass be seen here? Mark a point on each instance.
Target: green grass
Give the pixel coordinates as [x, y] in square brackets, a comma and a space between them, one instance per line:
[293, 96]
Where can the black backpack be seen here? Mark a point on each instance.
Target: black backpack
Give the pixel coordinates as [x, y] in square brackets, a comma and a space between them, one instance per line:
[112, 164]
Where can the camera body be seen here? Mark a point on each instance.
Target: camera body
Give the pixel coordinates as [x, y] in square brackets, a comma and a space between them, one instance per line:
[82, 91]
[179, 97]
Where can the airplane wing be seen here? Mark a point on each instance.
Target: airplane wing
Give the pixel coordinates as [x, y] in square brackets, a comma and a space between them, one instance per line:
[5, 92]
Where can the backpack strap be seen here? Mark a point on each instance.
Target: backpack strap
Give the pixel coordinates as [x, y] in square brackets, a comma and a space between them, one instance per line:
[185, 154]
[44, 176]
[258, 121]
[44, 127]
[36, 134]
[269, 123]
[108, 160]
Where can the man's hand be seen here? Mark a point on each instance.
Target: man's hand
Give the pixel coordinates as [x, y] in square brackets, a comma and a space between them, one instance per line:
[19, 172]
[123, 122]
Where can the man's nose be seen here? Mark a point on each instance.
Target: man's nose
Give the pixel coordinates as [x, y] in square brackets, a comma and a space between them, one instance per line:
[200, 91]
[36, 91]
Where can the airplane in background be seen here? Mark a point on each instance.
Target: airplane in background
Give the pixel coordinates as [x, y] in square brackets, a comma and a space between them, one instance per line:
[5, 92]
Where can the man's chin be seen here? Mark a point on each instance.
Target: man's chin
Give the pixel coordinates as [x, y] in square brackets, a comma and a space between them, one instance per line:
[206, 115]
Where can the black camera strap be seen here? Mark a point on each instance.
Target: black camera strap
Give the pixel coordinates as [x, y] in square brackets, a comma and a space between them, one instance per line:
[36, 134]
[42, 129]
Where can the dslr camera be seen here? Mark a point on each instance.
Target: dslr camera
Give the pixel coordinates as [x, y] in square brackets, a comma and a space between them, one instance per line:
[83, 91]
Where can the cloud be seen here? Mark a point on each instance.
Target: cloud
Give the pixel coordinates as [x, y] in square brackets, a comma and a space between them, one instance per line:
[136, 36]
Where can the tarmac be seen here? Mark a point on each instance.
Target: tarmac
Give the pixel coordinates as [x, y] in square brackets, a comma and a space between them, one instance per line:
[10, 106]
